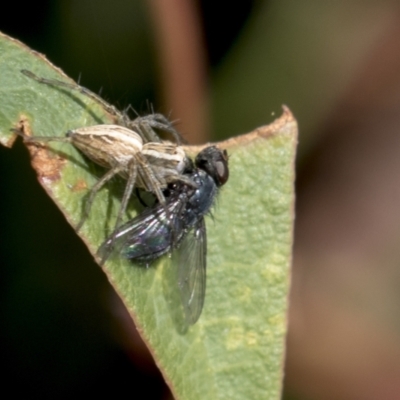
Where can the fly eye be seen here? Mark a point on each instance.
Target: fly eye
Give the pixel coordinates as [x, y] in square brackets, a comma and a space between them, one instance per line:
[222, 172]
[214, 161]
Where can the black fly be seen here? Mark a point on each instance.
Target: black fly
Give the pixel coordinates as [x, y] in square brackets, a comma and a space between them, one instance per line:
[178, 227]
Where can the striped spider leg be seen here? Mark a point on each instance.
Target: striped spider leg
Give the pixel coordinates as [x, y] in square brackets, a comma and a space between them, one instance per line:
[144, 125]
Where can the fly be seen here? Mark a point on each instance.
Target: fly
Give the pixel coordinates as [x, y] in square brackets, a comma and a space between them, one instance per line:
[179, 229]
[130, 148]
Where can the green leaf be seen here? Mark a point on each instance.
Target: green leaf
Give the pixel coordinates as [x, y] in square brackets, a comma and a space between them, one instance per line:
[236, 349]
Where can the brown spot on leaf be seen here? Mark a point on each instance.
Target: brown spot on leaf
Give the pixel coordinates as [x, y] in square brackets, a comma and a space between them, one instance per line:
[79, 186]
[23, 125]
[46, 162]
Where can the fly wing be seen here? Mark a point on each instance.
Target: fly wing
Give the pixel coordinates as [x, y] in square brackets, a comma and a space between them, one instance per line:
[190, 261]
[146, 237]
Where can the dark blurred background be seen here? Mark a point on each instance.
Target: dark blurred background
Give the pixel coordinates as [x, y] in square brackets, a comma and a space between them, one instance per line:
[221, 72]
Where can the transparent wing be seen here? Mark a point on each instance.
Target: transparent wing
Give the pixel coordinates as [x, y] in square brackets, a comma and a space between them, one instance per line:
[146, 237]
[190, 261]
